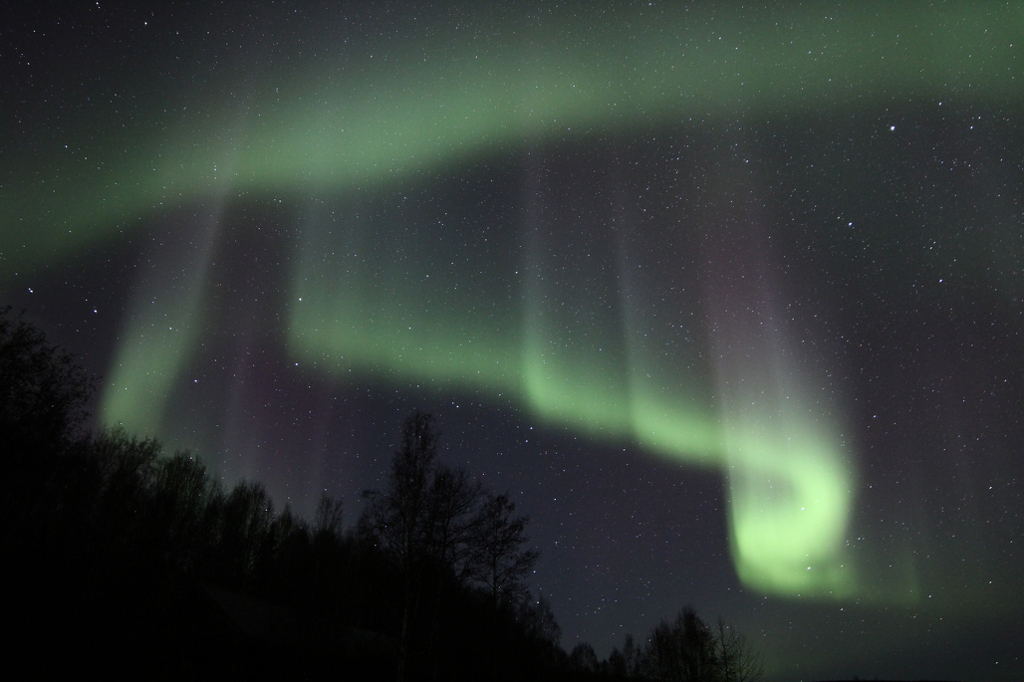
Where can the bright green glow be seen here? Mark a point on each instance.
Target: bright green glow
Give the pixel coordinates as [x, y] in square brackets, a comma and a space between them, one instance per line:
[375, 125]
[160, 338]
[149, 367]
[373, 300]
[370, 305]
[438, 99]
[789, 506]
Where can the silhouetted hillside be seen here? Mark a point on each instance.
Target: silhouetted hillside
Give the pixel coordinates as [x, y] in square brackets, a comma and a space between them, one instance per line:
[129, 561]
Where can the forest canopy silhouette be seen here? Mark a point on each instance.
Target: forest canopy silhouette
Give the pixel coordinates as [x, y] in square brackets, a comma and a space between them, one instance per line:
[132, 561]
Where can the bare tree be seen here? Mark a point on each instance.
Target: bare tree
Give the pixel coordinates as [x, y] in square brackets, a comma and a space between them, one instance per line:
[501, 562]
[399, 518]
[244, 532]
[625, 664]
[540, 621]
[737, 659]
[582, 659]
[328, 517]
[681, 651]
[454, 499]
[180, 498]
[437, 524]
[689, 650]
[399, 515]
[43, 392]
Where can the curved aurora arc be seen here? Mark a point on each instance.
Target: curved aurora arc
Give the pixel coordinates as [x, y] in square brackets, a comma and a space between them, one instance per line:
[789, 477]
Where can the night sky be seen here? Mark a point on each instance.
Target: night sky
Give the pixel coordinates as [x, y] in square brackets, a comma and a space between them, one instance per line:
[729, 299]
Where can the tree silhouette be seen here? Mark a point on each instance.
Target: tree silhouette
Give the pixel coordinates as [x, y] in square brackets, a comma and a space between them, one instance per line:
[399, 515]
[540, 621]
[452, 524]
[399, 518]
[582, 659]
[681, 651]
[43, 392]
[500, 561]
[444, 533]
[43, 396]
[625, 664]
[180, 499]
[687, 649]
[737, 659]
[244, 533]
[108, 539]
[328, 517]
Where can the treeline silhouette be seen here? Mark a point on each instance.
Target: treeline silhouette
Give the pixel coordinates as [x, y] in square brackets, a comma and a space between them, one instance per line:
[124, 560]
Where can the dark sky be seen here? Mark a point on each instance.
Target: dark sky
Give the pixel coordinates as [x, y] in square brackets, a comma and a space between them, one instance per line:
[729, 299]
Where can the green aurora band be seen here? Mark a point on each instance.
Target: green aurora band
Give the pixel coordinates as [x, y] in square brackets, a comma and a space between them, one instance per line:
[366, 301]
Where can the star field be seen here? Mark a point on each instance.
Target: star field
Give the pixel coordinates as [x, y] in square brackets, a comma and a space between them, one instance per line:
[729, 299]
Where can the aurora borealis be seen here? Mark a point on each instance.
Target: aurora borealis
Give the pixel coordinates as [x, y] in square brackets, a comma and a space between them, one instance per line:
[729, 298]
